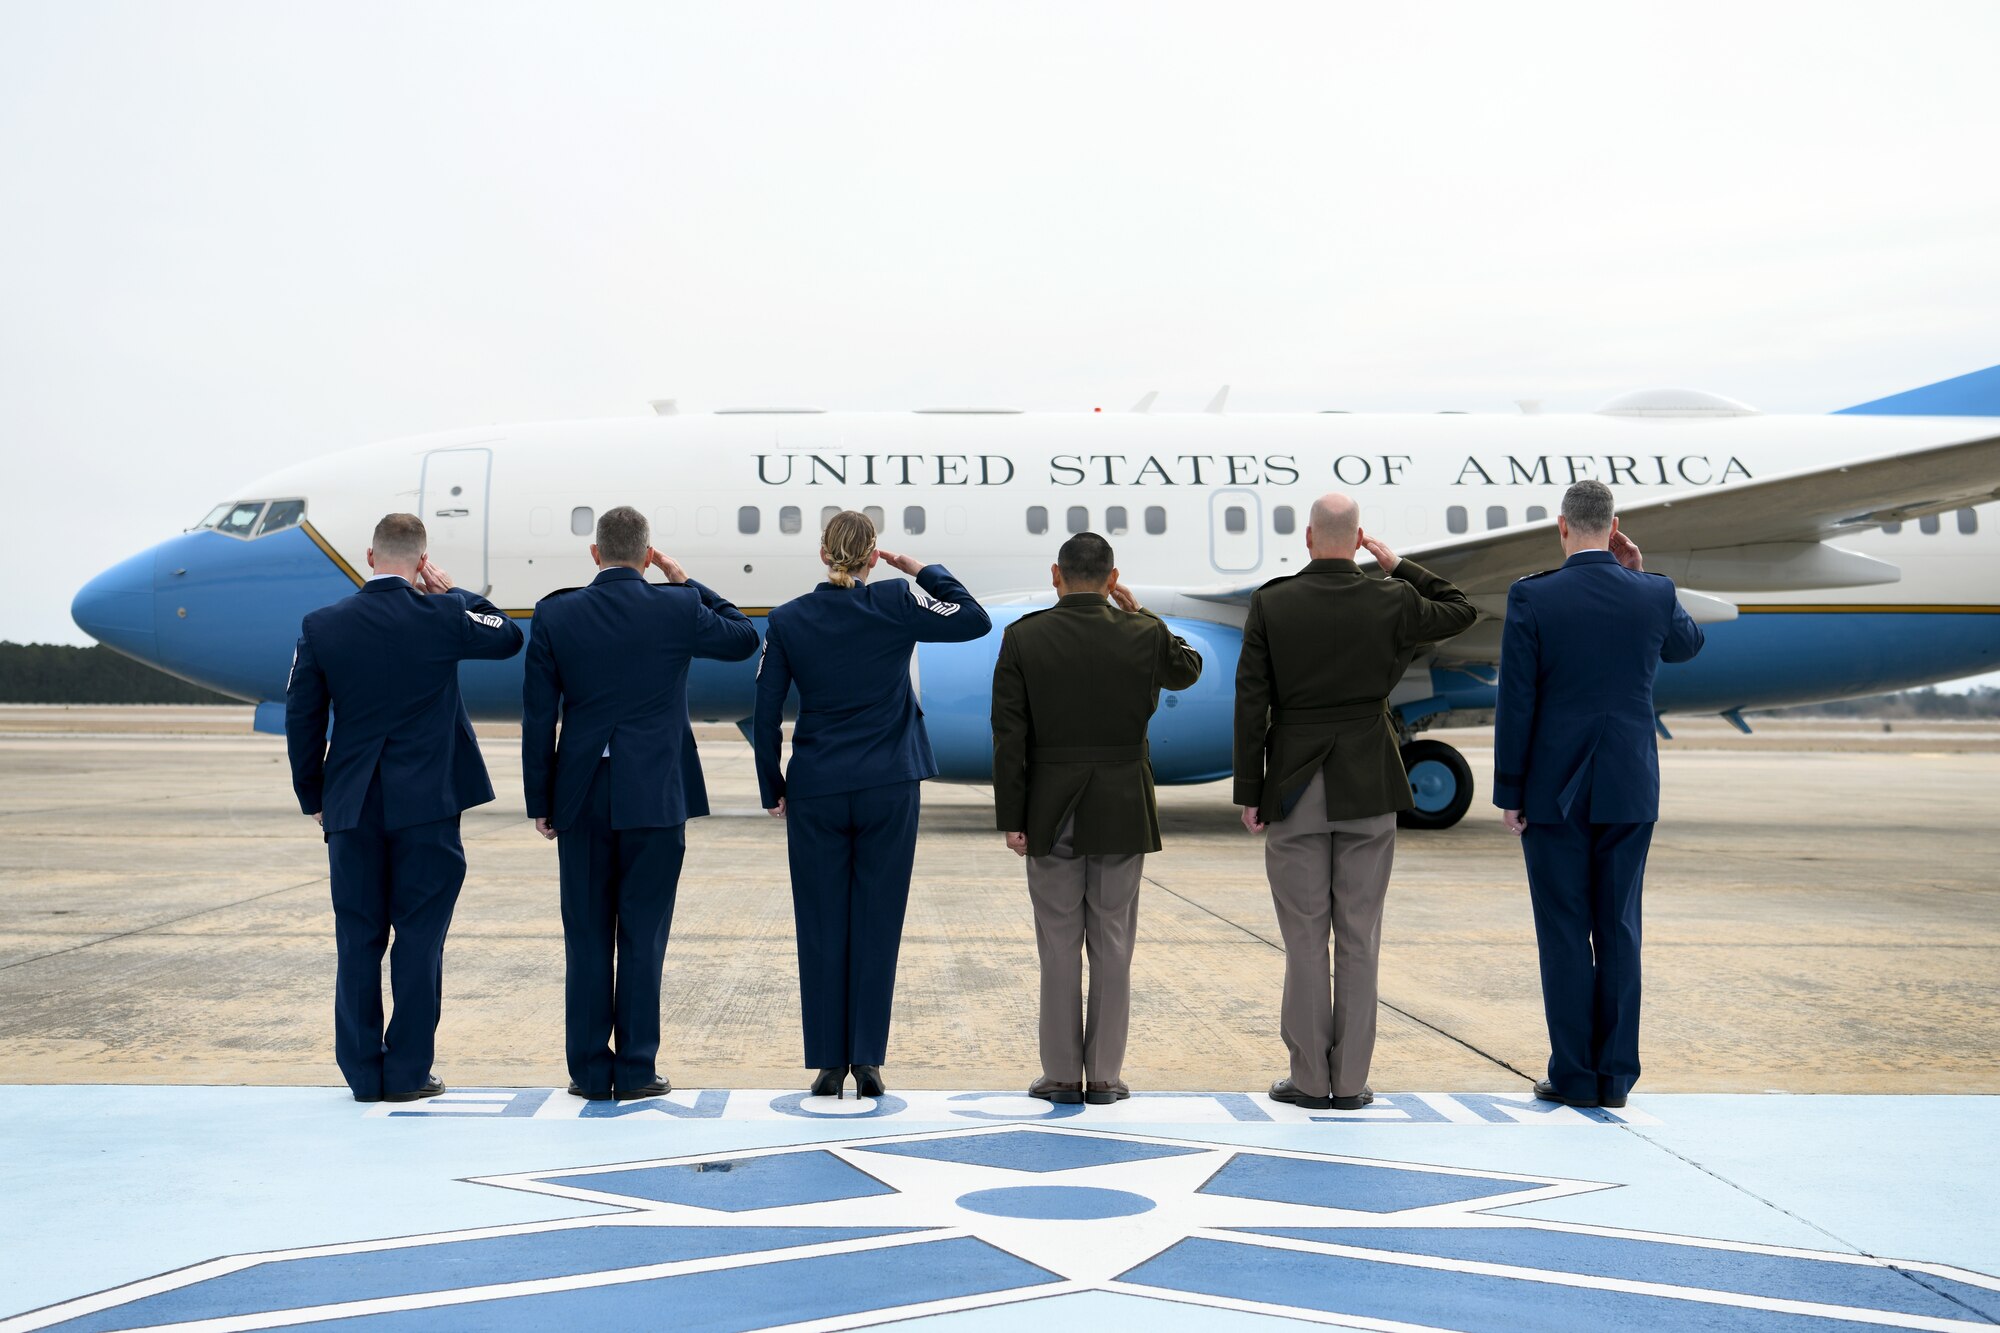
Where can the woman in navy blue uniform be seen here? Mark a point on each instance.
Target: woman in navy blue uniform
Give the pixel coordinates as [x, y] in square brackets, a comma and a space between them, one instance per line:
[849, 799]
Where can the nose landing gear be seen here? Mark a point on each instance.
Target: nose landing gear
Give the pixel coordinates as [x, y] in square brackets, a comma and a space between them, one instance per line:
[1440, 783]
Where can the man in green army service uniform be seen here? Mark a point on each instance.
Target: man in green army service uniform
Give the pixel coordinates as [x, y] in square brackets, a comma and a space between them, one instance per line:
[1072, 693]
[1319, 767]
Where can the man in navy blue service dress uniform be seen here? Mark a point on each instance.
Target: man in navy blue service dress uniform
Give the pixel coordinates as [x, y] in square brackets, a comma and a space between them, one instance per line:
[1577, 775]
[388, 788]
[609, 662]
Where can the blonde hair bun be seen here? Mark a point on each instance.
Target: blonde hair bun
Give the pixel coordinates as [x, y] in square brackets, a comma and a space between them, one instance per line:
[846, 545]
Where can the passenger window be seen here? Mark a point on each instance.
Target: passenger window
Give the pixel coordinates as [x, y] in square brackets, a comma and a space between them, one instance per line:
[1892, 528]
[1929, 525]
[1455, 519]
[707, 520]
[1156, 520]
[826, 516]
[1496, 517]
[1234, 519]
[1114, 520]
[287, 513]
[1077, 519]
[1038, 520]
[1968, 521]
[748, 519]
[1536, 513]
[790, 520]
[241, 520]
[875, 516]
[913, 519]
[1283, 521]
[581, 521]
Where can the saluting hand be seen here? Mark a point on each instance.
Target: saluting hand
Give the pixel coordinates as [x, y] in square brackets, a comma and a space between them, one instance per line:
[1122, 598]
[1017, 843]
[432, 579]
[667, 565]
[906, 564]
[1384, 557]
[1627, 553]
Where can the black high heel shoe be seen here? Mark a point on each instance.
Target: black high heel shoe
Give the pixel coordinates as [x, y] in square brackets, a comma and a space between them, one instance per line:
[831, 1082]
[868, 1081]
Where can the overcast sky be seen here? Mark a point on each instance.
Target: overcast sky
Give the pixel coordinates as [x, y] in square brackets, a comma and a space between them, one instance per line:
[233, 236]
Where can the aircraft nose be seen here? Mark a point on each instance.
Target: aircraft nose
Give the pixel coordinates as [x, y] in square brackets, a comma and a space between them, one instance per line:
[116, 607]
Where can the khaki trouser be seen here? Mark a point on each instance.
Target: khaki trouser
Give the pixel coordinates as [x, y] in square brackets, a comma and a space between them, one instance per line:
[1329, 876]
[1084, 904]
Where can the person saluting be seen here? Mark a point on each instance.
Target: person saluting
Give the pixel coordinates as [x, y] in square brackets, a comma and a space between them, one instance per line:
[849, 798]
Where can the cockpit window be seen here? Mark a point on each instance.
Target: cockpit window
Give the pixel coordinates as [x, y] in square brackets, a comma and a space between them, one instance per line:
[241, 520]
[281, 515]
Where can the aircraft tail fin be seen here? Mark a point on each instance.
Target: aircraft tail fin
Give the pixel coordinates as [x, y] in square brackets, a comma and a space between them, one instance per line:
[1974, 395]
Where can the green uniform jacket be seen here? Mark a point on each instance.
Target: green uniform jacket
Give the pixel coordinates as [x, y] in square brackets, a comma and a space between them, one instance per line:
[1322, 649]
[1072, 693]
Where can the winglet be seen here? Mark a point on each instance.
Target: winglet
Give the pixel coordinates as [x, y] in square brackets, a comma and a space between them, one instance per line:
[1145, 404]
[1216, 403]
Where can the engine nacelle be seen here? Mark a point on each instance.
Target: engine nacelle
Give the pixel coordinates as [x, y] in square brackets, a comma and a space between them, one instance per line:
[1191, 733]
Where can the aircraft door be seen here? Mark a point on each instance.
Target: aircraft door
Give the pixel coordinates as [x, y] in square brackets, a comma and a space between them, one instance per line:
[1235, 531]
[452, 504]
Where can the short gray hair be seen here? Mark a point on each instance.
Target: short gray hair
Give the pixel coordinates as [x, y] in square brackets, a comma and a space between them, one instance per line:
[623, 536]
[399, 537]
[1587, 505]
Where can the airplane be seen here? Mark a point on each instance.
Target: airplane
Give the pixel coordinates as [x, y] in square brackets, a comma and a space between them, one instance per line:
[1828, 556]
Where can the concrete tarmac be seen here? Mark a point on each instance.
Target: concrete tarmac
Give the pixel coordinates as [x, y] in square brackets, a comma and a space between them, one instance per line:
[1823, 914]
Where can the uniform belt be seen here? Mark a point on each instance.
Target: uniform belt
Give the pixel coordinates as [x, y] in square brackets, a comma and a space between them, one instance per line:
[1308, 717]
[1087, 754]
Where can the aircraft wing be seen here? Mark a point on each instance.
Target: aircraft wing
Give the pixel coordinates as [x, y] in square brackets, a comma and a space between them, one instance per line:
[1779, 517]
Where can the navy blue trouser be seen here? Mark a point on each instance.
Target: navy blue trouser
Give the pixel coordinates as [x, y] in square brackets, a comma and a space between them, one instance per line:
[405, 880]
[1584, 880]
[851, 855]
[617, 905]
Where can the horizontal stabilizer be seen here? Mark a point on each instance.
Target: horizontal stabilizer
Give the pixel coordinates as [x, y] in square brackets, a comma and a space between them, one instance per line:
[1974, 395]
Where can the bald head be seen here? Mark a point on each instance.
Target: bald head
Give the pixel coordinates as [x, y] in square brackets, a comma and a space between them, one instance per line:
[1334, 529]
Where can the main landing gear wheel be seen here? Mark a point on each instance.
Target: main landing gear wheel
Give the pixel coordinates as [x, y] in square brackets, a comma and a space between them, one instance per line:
[1440, 782]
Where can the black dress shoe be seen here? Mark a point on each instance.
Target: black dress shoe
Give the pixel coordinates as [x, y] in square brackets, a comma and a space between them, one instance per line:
[1354, 1103]
[1615, 1102]
[359, 1098]
[1103, 1092]
[868, 1081]
[1284, 1090]
[432, 1087]
[1545, 1091]
[1061, 1094]
[830, 1083]
[659, 1087]
[576, 1091]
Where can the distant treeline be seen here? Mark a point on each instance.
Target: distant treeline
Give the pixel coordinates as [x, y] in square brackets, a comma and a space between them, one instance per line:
[1927, 702]
[56, 673]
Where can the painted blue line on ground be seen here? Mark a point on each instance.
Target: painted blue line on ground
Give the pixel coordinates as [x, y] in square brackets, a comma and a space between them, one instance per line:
[1829, 1282]
[1441, 1298]
[292, 1284]
[735, 1300]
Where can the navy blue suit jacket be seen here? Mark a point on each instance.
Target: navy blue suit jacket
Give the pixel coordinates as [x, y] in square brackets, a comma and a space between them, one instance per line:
[1574, 728]
[384, 663]
[609, 662]
[848, 651]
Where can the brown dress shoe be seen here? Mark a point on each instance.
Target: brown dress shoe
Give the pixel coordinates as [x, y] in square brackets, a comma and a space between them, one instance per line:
[1062, 1094]
[1099, 1092]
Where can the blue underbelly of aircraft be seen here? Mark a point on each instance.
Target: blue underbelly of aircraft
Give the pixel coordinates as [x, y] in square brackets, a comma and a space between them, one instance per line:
[225, 613]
